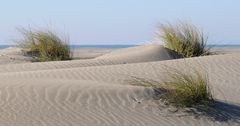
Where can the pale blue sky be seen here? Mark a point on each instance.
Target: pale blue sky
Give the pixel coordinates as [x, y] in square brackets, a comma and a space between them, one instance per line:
[120, 21]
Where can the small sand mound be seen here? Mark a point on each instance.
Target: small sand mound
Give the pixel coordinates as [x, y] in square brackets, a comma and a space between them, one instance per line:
[11, 51]
[144, 53]
[13, 55]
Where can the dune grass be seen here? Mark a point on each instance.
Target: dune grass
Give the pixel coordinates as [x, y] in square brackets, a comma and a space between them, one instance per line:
[185, 39]
[45, 45]
[182, 90]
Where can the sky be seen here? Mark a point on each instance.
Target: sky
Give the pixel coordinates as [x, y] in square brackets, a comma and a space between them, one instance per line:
[119, 21]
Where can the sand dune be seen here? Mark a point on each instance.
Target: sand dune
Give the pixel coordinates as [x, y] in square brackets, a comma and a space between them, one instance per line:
[97, 92]
[144, 53]
[217, 67]
[136, 54]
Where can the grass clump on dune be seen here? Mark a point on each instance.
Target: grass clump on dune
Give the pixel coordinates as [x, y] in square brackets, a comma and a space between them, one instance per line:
[185, 39]
[182, 90]
[45, 45]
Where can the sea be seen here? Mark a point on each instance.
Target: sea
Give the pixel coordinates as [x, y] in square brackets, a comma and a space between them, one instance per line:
[125, 46]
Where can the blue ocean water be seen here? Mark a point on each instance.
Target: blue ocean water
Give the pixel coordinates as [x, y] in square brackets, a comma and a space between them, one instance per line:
[126, 46]
[5, 46]
[224, 46]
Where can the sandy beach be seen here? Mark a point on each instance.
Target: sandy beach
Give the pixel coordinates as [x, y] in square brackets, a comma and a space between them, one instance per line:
[94, 88]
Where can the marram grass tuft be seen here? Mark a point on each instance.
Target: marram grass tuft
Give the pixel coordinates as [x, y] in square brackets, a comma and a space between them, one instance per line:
[184, 38]
[181, 90]
[45, 45]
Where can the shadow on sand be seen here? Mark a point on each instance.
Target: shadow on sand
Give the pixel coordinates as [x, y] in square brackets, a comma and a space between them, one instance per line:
[220, 111]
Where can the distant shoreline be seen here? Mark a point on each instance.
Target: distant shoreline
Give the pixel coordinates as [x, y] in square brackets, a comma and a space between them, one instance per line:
[124, 46]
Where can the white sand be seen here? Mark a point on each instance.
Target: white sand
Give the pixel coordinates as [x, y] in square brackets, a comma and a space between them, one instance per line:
[96, 91]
